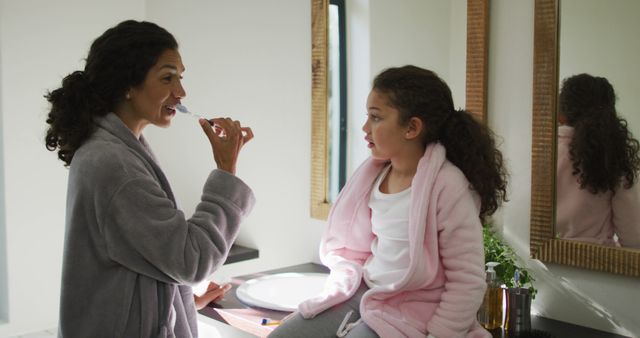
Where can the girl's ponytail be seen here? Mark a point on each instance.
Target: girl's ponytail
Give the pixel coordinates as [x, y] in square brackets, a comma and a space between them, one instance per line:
[471, 147]
[603, 153]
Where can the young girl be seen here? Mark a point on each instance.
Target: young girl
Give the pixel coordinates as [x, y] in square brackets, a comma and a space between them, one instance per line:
[404, 240]
[597, 170]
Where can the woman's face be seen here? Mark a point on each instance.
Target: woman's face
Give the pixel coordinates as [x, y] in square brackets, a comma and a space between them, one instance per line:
[384, 133]
[154, 101]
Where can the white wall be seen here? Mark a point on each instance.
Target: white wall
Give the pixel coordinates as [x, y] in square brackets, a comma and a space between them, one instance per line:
[251, 61]
[457, 72]
[40, 43]
[604, 301]
[410, 32]
[4, 296]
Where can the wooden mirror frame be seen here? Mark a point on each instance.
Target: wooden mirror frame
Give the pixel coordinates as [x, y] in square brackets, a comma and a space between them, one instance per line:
[543, 244]
[476, 89]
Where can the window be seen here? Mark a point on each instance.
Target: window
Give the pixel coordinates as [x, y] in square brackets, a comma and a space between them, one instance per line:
[337, 96]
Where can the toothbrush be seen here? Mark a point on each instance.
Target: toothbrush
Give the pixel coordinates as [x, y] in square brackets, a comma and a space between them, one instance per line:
[181, 108]
[218, 130]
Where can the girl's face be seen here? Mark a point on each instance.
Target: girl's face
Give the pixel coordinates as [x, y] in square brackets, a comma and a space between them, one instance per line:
[154, 101]
[385, 135]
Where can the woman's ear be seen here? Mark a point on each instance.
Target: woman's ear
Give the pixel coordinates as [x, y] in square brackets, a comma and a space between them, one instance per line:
[414, 128]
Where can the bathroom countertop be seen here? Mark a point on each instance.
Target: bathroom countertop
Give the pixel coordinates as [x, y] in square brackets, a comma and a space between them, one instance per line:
[559, 329]
[239, 253]
[233, 312]
[248, 319]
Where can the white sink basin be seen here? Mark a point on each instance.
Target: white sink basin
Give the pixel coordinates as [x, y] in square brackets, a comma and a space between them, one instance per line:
[283, 291]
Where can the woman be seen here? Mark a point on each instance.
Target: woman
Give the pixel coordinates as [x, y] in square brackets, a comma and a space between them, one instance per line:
[404, 239]
[130, 255]
[598, 198]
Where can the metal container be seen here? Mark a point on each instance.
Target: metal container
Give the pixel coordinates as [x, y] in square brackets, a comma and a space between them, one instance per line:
[518, 310]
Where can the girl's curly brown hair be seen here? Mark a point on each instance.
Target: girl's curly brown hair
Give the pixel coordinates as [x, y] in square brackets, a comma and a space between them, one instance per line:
[603, 151]
[470, 145]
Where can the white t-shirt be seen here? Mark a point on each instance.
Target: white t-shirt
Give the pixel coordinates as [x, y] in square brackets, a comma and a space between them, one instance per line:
[390, 224]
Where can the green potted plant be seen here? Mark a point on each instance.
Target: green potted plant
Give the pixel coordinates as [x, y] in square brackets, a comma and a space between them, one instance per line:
[495, 250]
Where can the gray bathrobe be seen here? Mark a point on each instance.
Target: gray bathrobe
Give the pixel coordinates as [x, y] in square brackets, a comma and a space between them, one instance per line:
[130, 256]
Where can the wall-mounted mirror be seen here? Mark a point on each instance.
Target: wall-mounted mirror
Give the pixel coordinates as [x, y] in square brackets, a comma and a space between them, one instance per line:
[559, 51]
[457, 54]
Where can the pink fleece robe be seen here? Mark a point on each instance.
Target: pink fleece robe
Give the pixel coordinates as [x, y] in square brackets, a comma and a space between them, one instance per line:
[444, 286]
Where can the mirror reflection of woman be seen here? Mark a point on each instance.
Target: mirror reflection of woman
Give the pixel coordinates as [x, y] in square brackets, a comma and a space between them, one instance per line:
[598, 197]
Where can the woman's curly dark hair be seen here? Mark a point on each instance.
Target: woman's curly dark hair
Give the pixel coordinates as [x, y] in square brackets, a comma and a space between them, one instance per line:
[118, 60]
[470, 145]
[603, 151]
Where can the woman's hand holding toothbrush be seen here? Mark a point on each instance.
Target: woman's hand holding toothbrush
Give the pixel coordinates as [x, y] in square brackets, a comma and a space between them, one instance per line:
[227, 138]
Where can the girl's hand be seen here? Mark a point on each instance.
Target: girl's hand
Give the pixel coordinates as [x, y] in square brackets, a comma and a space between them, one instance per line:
[227, 138]
[214, 293]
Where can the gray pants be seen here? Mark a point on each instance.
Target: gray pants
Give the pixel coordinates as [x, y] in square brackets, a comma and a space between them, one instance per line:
[326, 323]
